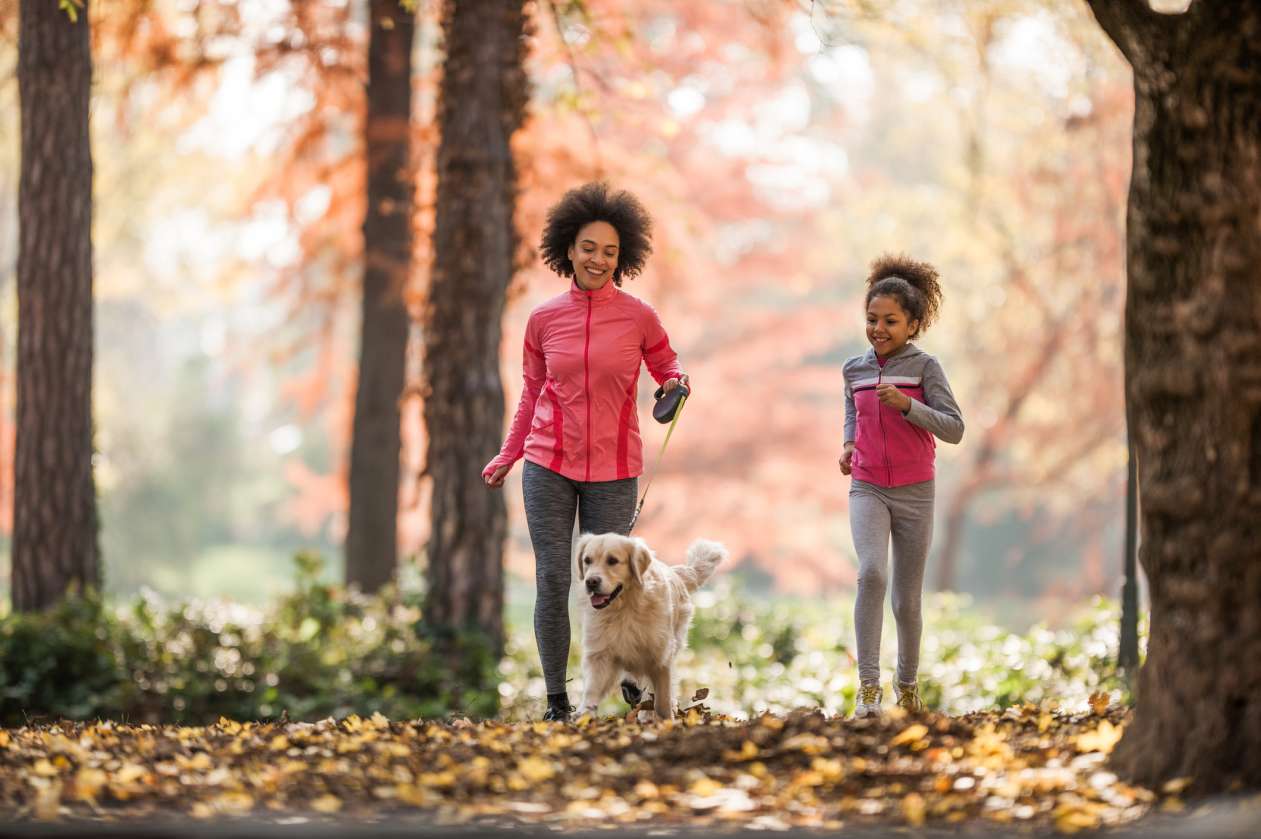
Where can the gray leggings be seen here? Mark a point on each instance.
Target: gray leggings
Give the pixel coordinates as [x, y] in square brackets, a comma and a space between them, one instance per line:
[550, 503]
[875, 514]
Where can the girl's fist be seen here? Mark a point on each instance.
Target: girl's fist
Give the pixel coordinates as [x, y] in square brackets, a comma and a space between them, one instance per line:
[894, 398]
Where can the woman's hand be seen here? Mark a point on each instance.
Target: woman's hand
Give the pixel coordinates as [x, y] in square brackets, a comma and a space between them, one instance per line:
[894, 398]
[846, 460]
[496, 479]
[670, 384]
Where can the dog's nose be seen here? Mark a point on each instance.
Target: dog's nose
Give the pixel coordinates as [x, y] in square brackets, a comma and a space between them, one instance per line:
[593, 584]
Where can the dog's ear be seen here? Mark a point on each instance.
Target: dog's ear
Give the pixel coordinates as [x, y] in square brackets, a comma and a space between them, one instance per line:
[580, 547]
[640, 559]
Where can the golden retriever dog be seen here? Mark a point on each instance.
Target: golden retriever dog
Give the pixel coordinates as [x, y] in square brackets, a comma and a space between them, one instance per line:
[636, 615]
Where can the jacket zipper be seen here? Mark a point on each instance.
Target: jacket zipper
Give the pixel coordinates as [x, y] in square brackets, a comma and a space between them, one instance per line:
[888, 467]
[586, 382]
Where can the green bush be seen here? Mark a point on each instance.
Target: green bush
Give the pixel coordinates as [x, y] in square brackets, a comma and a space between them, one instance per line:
[323, 651]
[756, 655]
[320, 651]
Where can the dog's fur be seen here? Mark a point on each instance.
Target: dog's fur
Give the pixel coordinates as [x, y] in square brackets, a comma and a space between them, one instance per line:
[635, 613]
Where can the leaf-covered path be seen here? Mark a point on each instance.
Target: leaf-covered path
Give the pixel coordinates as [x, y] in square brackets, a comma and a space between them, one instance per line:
[1029, 766]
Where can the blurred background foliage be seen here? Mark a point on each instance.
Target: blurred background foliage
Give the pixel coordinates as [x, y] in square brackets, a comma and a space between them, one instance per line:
[781, 146]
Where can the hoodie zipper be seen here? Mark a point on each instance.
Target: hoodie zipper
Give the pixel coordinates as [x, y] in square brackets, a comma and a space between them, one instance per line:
[586, 382]
[888, 467]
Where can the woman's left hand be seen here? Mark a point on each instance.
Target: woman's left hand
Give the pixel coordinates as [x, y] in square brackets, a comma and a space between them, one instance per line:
[894, 398]
[670, 384]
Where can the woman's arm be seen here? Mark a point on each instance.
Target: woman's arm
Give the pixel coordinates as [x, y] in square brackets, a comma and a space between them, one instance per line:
[534, 371]
[662, 361]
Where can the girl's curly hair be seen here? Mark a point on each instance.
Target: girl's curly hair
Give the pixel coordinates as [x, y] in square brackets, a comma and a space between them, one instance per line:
[596, 202]
[913, 284]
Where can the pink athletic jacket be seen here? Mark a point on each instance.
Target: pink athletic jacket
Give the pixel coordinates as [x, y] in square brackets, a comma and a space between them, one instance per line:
[893, 449]
[582, 356]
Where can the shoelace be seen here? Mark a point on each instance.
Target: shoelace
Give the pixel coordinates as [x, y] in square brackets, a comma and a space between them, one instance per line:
[908, 697]
[869, 694]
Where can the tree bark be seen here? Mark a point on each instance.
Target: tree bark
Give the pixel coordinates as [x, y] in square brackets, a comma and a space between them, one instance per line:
[372, 535]
[54, 515]
[1193, 379]
[483, 99]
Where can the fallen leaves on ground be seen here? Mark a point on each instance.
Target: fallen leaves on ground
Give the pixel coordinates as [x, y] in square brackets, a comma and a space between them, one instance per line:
[1027, 765]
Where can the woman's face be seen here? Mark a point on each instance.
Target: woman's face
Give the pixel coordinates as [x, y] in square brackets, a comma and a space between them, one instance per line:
[594, 254]
[888, 325]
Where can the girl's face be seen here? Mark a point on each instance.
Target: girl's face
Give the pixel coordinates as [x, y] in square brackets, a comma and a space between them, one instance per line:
[594, 254]
[888, 325]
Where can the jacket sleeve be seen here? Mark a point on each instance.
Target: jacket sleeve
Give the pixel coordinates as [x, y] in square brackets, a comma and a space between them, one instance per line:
[662, 361]
[851, 415]
[938, 413]
[534, 371]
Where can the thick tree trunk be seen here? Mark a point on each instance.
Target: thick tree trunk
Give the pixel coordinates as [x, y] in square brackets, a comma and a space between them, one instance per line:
[1193, 369]
[372, 536]
[54, 514]
[483, 102]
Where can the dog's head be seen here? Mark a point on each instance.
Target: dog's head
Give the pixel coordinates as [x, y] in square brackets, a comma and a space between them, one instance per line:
[609, 564]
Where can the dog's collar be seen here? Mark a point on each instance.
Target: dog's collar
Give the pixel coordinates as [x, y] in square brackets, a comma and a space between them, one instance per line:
[612, 597]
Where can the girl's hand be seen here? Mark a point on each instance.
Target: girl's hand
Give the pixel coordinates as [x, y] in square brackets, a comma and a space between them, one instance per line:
[846, 460]
[894, 398]
[670, 384]
[496, 479]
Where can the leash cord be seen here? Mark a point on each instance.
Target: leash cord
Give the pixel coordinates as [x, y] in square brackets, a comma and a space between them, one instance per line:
[639, 508]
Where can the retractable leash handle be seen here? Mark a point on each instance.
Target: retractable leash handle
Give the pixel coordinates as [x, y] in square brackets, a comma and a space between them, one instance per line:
[677, 412]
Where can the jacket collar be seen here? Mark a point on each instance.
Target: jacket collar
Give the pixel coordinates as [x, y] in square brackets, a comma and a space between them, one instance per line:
[603, 294]
[906, 351]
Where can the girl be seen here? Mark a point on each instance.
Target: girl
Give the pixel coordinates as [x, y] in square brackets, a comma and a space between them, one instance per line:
[896, 399]
[576, 424]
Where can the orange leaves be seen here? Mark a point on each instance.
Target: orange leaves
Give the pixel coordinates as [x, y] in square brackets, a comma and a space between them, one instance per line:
[802, 770]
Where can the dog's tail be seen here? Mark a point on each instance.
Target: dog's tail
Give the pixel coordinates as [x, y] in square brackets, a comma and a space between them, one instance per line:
[703, 558]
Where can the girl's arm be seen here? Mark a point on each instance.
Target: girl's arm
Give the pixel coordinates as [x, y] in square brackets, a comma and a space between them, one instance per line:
[938, 413]
[534, 371]
[662, 360]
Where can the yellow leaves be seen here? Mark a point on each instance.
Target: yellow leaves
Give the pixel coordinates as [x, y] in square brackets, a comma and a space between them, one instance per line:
[45, 769]
[910, 734]
[1101, 739]
[88, 783]
[1099, 702]
[748, 751]
[535, 770]
[327, 804]
[802, 770]
[913, 809]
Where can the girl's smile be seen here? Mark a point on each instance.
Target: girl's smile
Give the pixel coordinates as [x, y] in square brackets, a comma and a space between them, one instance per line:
[888, 326]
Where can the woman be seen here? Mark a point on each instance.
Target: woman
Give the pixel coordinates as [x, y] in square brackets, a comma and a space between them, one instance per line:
[576, 424]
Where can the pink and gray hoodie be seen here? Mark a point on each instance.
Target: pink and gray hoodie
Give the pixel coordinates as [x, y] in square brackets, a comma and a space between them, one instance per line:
[893, 449]
[582, 356]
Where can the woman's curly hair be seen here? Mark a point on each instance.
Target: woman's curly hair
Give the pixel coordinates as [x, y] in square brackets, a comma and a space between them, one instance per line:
[913, 284]
[596, 202]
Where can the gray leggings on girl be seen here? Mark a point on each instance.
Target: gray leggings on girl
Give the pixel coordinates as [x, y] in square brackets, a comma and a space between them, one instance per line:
[875, 514]
[551, 500]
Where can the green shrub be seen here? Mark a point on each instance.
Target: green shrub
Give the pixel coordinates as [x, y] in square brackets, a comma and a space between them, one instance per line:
[319, 651]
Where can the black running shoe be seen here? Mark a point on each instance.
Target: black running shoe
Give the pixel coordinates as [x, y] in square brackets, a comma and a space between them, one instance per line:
[558, 709]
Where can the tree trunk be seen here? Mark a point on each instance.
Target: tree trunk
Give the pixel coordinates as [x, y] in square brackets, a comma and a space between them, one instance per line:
[1127, 651]
[482, 104]
[54, 512]
[1193, 370]
[372, 535]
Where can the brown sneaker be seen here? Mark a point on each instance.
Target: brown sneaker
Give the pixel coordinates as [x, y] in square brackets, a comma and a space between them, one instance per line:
[907, 697]
[867, 703]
